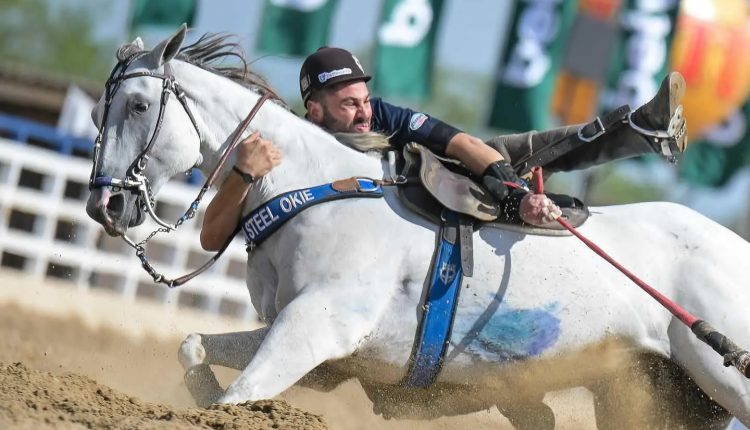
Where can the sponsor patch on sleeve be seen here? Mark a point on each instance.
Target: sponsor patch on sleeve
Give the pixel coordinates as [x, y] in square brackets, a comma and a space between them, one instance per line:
[417, 120]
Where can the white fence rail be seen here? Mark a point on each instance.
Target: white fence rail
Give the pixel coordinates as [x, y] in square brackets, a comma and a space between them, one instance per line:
[44, 231]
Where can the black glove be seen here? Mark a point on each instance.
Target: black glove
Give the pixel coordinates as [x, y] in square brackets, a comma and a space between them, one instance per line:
[494, 176]
[509, 198]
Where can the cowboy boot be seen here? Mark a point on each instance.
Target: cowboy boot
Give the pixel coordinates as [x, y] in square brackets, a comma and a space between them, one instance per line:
[661, 118]
[656, 127]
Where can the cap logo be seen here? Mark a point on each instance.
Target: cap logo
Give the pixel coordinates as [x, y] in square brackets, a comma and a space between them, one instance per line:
[323, 77]
[304, 82]
[417, 120]
[356, 61]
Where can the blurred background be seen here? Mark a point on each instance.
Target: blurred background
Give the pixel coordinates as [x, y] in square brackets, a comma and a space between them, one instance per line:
[489, 67]
[486, 66]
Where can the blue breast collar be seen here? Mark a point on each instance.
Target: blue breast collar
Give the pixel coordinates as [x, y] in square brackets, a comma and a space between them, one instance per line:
[262, 222]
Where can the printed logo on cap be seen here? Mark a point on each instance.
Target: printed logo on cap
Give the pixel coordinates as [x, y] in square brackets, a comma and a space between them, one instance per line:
[356, 61]
[304, 82]
[323, 77]
[417, 120]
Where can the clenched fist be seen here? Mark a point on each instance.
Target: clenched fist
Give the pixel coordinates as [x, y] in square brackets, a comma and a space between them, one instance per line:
[257, 156]
[538, 209]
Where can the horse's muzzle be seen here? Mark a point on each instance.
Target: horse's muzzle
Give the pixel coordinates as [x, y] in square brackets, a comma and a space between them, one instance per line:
[116, 212]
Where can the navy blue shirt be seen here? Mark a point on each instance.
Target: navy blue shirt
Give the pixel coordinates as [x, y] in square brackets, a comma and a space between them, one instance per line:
[404, 125]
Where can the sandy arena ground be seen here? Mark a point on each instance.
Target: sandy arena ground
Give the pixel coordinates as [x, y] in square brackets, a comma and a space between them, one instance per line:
[70, 360]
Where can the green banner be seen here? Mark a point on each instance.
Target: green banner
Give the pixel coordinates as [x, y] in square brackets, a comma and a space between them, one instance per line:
[725, 150]
[162, 13]
[406, 47]
[529, 64]
[642, 59]
[295, 27]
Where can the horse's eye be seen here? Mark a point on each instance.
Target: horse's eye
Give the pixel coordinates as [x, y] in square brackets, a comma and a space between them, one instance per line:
[140, 107]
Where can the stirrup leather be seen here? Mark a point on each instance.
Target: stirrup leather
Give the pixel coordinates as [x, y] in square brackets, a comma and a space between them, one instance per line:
[666, 139]
[600, 125]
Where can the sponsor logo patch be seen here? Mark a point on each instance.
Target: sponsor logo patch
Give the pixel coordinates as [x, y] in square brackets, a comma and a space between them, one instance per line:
[323, 77]
[304, 82]
[417, 120]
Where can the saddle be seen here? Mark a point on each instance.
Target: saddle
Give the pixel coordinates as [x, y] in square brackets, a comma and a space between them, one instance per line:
[434, 183]
[429, 185]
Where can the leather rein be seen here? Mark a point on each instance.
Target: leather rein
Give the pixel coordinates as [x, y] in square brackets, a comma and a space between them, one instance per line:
[136, 181]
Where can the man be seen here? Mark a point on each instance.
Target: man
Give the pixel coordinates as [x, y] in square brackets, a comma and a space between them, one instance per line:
[334, 91]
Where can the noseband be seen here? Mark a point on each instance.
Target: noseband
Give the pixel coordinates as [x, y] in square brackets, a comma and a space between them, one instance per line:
[135, 179]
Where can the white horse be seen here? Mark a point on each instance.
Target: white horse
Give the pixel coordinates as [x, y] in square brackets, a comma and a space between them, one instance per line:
[340, 285]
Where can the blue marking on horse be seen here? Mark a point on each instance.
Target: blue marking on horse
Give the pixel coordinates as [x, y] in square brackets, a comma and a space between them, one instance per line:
[513, 334]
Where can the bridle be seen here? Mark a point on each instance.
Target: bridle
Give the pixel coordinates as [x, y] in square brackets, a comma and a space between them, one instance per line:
[135, 179]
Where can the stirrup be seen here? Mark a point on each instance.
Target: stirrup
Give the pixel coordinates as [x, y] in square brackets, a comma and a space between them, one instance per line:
[666, 139]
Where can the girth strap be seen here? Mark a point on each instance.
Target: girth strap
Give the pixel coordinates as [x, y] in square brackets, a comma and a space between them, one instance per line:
[439, 307]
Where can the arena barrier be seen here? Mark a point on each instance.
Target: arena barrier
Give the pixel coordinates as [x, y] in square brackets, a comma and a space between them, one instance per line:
[45, 232]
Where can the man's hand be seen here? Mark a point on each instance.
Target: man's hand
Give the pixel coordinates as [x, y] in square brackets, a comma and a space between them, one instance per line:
[257, 156]
[538, 209]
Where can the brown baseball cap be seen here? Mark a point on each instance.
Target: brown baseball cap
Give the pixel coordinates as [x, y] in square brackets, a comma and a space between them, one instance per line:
[328, 66]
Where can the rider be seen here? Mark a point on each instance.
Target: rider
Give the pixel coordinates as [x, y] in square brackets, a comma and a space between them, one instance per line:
[335, 94]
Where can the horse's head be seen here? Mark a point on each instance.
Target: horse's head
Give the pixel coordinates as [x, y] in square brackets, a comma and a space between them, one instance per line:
[147, 134]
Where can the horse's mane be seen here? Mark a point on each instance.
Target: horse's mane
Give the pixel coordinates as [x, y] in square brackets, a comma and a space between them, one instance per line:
[208, 53]
[211, 49]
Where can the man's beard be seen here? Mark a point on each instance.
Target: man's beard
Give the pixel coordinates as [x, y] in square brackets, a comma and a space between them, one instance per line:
[335, 126]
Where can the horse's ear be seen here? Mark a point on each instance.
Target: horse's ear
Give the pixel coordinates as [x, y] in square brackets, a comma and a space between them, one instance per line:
[169, 47]
[128, 49]
[97, 113]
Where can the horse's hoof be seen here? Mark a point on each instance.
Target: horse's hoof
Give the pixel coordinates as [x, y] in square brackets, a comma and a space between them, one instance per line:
[532, 416]
[191, 352]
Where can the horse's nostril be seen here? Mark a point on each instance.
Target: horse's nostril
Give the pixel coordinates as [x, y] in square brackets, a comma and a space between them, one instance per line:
[116, 204]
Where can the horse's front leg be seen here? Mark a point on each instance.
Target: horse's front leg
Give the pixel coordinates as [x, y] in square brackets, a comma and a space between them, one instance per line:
[318, 325]
[198, 351]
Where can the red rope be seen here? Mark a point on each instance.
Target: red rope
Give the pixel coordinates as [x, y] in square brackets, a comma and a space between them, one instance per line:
[686, 317]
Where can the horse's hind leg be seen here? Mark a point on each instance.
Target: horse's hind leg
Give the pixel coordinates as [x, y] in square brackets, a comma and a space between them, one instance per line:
[724, 385]
[682, 404]
[534, 415]
[623, 400]
[655, 394]
[198, 351]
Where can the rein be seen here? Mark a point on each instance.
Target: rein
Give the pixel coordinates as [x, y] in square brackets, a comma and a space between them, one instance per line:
[190, 213]
[136, 180]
